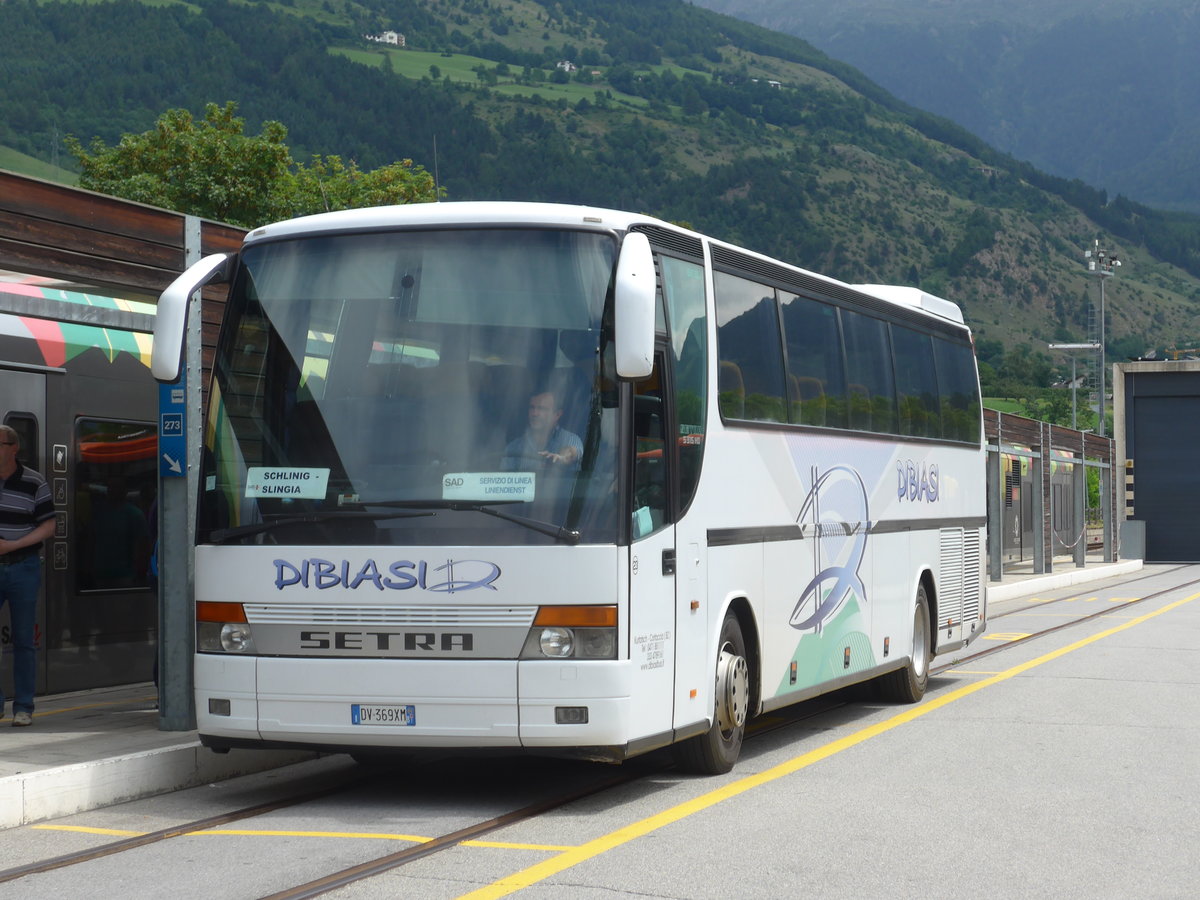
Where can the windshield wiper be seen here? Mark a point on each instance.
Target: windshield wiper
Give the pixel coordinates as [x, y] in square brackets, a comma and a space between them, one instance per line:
[558, 532]
[225, 535]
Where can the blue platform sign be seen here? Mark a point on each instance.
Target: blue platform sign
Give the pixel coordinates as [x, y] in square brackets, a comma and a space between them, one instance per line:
[172, 429]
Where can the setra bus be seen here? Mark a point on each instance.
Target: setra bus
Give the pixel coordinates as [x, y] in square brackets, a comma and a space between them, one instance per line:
[568, 480]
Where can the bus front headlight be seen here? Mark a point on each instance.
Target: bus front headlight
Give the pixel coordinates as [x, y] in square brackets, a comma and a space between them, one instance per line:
[572, 632]
[222, 628]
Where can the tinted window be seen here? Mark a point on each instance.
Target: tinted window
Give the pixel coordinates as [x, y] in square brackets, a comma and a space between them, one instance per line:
[116, 479]
[751, 358]
[916, 384]
[683, 285]
[870, 390]
[816, 386]
[959, 391]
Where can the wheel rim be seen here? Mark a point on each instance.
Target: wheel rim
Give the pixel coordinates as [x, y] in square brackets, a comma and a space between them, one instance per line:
[920, 640]
[733, 690]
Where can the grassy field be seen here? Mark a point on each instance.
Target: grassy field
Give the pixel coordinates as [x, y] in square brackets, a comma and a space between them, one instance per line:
[459, 67]
[35, 168]
[1003, 404]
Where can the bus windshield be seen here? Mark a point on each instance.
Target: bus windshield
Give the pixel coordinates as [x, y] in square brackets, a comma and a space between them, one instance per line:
[424, 388]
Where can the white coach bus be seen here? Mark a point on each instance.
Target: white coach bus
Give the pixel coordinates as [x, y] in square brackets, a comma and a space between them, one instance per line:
[567, 480]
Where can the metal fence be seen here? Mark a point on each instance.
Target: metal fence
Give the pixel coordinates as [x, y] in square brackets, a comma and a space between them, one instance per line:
[1050, 496]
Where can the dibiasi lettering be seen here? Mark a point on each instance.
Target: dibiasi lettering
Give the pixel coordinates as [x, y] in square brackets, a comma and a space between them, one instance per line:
[450, 577]
[917, 481]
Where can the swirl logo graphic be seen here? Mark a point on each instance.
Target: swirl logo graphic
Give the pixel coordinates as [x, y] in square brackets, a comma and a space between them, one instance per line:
[485, 572]
[835, 510]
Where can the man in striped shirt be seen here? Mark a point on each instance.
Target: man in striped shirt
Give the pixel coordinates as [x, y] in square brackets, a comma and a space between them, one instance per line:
[26, 519]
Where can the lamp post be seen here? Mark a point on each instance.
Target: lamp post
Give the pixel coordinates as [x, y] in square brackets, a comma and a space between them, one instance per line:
[1074, 380]
[1101, 263]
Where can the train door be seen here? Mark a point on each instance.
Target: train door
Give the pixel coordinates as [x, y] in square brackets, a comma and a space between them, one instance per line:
[24, 409]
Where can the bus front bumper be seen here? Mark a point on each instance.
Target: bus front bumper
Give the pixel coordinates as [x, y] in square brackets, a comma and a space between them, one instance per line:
[324, 703]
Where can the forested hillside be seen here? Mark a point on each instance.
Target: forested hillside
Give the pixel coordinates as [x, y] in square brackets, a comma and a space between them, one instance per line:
[1108, 92]
[666, 108]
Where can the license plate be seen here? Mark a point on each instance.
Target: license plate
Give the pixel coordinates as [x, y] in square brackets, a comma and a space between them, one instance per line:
[370, 714]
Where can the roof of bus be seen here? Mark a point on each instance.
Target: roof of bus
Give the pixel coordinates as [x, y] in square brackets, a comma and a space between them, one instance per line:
[915, 297]
[483, 212]
[493, 212]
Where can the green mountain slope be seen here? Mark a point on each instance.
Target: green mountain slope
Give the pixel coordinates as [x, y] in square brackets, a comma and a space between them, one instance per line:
[750, 135]
[1104, 91]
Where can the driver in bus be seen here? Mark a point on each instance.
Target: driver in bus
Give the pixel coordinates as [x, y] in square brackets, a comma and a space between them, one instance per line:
[544, 442]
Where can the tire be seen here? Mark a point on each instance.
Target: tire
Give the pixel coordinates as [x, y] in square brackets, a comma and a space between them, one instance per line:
[715, 751]
[908, 685]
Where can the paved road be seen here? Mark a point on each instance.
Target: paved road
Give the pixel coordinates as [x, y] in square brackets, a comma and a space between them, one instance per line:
[1060, 766]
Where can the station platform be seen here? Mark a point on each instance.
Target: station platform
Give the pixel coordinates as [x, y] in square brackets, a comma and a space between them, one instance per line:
[94, 748]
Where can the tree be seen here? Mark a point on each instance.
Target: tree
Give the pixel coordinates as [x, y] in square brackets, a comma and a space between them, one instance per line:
[212, 169]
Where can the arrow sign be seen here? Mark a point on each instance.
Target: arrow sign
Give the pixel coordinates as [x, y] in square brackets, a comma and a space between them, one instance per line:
[172, 429]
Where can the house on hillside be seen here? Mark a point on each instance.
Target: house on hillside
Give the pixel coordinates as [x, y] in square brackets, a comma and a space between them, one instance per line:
[387, 37]
[566, 66]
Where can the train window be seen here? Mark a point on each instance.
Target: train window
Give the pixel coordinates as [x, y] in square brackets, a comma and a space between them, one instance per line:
[116, 480]
[25, 425]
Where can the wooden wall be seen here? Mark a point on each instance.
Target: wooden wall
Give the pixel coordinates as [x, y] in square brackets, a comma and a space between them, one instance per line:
[113, 246]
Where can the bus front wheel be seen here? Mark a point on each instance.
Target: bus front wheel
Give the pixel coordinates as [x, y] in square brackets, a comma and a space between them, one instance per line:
[907, 685]
[715, 751]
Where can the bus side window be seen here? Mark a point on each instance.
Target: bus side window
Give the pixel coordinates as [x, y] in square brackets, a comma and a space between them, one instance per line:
[748, 338]
[814, 359]
[872, 389]
[651, 459]
[916, 384]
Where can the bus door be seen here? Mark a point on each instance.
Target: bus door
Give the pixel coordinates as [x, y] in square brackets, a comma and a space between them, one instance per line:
[24, 410]
[652, 638]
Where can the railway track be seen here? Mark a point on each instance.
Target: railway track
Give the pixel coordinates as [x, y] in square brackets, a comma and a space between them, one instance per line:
[631, 772]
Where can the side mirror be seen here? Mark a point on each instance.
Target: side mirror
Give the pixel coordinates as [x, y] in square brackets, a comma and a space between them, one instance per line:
[170, 318]
[634, 312]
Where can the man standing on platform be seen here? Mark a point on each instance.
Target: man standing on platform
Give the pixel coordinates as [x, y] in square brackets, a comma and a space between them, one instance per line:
[26, 519]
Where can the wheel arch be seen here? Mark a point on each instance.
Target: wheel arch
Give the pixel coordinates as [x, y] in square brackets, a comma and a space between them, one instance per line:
[926, 578]
[739, 606]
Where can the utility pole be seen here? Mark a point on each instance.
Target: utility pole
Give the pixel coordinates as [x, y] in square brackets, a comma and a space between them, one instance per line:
[1100, 263]
[1074, 379]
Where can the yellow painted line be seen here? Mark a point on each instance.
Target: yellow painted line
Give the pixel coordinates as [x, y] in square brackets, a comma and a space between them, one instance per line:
[1005, 636]
[506, 846]
[967, 672]
[576, 855]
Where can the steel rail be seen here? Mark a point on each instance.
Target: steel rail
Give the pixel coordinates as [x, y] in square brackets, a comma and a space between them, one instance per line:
[371, 868]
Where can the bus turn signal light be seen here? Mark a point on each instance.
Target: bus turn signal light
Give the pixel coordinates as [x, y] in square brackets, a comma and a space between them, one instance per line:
[577, 616]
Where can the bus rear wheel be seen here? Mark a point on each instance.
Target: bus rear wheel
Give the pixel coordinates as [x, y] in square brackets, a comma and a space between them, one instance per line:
[715, 751]
[908, 685]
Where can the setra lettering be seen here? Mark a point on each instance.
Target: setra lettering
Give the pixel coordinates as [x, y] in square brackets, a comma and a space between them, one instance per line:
[412, 642]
